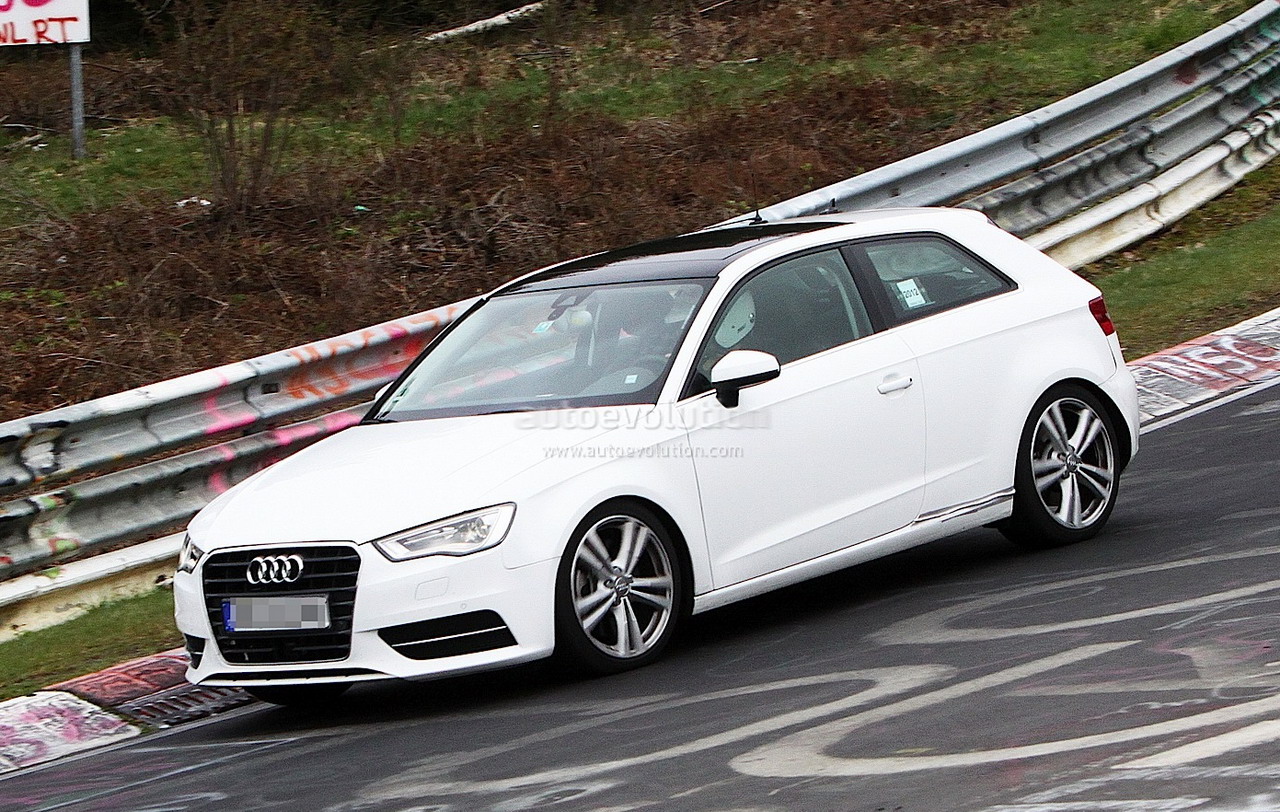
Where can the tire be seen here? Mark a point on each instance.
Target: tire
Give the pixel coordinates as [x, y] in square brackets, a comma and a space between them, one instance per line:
[618, 604]
[313, 697]
[1067, 475]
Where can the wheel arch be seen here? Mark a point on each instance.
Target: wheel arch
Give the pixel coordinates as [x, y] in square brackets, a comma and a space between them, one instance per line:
[673, 529]
[1118, 420]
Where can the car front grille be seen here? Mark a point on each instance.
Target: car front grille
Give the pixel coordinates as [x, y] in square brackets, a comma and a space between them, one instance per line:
[329, 570]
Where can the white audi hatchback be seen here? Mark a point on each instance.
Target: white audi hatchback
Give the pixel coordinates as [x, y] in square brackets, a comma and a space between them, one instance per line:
[600, 448]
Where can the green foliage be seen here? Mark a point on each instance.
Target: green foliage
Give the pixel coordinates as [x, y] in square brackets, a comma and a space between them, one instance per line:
[153, 158]
[1214, 268]
[105, 636]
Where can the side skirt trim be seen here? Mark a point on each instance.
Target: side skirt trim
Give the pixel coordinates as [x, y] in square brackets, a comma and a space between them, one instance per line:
[965, 508]
[925, 529]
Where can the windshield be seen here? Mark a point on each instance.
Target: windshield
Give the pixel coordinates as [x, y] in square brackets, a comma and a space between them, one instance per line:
[593, 346]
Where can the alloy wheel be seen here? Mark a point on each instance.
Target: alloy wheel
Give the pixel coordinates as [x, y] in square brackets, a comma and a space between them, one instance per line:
[623, 588]
[1073, 463]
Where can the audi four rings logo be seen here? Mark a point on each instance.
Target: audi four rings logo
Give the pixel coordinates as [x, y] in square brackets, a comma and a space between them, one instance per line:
[274, 569]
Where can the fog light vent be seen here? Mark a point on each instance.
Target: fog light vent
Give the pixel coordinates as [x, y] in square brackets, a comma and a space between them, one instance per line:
[449, 636]
[195, 649]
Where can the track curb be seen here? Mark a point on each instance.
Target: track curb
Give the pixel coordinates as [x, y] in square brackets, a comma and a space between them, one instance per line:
[1205, 369]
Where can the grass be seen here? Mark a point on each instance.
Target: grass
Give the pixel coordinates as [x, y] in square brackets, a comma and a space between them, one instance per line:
[1216, 267]
[152, 158]
[1047, 50]
[110, 634]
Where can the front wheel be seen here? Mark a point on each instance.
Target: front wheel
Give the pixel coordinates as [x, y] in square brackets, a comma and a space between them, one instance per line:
[1067, 475]
[618, 592]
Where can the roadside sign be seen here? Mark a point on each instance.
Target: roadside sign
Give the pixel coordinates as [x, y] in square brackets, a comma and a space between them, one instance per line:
[43, 22]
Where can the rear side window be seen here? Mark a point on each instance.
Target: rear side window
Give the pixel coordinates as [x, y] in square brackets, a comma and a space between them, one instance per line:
[924, 275]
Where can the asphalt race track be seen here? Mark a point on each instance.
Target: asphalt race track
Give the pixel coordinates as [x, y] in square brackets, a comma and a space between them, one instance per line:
[1139, 671]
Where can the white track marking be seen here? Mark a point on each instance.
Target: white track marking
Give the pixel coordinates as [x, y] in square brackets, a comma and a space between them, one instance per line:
[800, 754]
[931, 627]
[426, 778]
[1250, 736]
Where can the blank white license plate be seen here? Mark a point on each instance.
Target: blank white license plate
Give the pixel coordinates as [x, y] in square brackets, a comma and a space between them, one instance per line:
[275, 614]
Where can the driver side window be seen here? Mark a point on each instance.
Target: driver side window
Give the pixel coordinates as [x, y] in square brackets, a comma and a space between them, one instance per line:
[792, 310]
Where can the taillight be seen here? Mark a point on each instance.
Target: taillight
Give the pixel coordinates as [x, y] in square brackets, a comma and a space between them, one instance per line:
[1099, 310]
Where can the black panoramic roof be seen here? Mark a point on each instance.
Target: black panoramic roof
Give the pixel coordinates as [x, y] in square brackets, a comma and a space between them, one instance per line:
[700, 255]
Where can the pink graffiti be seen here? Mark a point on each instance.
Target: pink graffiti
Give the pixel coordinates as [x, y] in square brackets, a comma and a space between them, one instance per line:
[20, 751]
[1187, 72]
[329, 424]
[334, 366]
[220, 420]
[40, 29]
[72, 723]
[6, 5]
[219, 481]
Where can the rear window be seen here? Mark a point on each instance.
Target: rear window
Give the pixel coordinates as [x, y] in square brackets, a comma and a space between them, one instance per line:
[924, 275]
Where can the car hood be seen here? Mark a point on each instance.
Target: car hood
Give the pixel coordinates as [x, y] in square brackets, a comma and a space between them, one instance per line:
[372, 480]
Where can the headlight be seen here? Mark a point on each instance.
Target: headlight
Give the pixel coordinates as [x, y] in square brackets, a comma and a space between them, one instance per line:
[189, 555]
[457, 535]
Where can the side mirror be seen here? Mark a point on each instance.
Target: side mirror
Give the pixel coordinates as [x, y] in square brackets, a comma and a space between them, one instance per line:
[740, 369]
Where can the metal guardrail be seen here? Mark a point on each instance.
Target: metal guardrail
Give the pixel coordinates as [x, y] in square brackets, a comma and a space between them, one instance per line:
[1141, 152]
[237, 399]
[1168, 132]
[949, 173]
[1145, 209]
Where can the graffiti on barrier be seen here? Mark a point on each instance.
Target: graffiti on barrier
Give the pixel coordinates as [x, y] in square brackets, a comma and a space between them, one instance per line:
[336, 366]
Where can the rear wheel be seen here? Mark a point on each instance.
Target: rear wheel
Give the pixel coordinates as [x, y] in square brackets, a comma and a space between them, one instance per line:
[618, 592]
[299, 696]
[1067, 475]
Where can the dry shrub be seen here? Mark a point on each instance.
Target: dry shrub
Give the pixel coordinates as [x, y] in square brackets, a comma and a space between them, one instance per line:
[144, 291]
[37, 92]
[836, 28]
[239, 73]
[532, 196]
[135, 294]
[832, 28]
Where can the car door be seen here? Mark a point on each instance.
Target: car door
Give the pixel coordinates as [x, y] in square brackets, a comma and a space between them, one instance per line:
[968, 335]
[828, 454]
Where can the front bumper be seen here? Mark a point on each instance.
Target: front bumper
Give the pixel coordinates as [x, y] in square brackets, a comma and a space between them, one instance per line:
[423, 618]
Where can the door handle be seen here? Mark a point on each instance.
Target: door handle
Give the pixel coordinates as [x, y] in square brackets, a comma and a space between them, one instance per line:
[895, 383]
